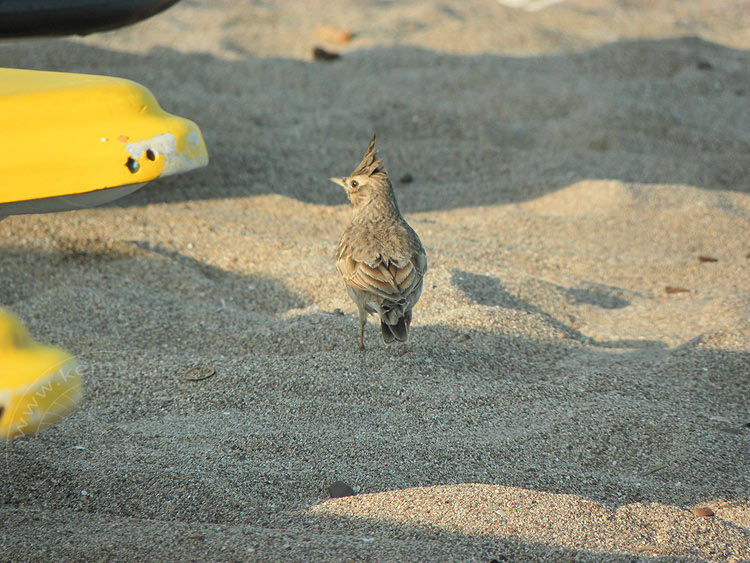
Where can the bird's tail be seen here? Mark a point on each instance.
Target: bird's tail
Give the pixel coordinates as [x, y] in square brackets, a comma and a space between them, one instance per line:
[399, 331]
[394, 322]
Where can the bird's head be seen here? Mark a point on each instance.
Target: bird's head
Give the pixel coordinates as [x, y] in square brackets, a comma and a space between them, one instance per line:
[368, 182]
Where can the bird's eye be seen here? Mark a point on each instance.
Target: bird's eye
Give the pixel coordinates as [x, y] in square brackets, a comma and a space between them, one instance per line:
[354, 184]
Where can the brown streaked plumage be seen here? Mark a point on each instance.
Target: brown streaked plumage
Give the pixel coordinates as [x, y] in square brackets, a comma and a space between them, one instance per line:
[380, 256]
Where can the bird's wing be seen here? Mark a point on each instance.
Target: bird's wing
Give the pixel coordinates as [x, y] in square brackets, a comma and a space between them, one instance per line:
[390, 280]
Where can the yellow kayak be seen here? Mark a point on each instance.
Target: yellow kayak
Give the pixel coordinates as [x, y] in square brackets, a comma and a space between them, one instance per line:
[71, 141]
[38, 384]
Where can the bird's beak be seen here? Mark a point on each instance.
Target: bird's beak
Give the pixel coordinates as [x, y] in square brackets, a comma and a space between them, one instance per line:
[339, 181]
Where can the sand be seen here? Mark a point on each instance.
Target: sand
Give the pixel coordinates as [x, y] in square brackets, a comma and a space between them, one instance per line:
[579, 370]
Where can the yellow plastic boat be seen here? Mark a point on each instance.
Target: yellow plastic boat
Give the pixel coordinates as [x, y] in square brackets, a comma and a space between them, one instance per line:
[71, 141]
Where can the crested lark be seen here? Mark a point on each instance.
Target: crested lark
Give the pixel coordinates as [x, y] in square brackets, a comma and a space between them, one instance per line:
[380, 256]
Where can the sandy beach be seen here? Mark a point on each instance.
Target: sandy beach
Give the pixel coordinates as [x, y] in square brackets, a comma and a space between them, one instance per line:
[578, 378]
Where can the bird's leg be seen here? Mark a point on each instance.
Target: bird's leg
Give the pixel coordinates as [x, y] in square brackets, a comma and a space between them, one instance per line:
[407, 320]
[362, 321]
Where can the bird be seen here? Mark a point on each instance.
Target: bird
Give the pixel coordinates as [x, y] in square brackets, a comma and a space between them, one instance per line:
[380, 257]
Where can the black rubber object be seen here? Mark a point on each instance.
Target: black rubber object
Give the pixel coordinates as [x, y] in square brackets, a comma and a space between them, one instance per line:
[46, 18]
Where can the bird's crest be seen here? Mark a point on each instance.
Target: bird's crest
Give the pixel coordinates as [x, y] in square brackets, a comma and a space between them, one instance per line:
[371, 165]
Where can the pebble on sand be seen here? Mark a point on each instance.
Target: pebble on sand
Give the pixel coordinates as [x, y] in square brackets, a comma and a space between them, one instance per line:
[340, 489]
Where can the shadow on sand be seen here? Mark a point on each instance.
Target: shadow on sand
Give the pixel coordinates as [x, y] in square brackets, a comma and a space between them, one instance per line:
[281, 125]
